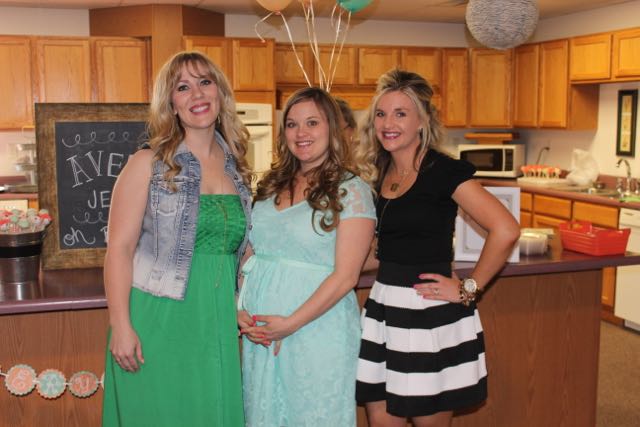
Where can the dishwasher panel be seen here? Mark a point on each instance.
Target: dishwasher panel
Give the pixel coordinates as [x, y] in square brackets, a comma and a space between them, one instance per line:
[627, 304]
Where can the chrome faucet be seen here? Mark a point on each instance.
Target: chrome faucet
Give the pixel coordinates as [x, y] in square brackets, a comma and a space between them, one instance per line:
[627, 186]
[542, 150]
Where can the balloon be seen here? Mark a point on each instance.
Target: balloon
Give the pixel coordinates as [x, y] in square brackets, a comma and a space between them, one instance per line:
[274, 5]
[354, 5]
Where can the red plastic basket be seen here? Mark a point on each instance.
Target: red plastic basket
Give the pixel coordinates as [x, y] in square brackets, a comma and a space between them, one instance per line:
[581, 236]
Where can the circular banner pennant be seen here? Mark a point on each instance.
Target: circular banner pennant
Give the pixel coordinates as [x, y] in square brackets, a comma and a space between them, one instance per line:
[20, 380]
[51, 384]
[83, 384]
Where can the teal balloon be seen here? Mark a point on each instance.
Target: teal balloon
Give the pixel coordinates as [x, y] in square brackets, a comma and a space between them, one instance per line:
[354, 5]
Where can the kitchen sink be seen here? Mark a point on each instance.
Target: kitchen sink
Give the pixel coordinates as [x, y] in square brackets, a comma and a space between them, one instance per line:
[602, 192]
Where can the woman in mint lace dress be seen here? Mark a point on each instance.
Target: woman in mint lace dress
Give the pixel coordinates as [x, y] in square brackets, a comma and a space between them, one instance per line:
[312, 227]
[177, 228]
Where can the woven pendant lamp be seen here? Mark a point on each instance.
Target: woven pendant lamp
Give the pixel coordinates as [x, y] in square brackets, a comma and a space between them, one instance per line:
[502, 24]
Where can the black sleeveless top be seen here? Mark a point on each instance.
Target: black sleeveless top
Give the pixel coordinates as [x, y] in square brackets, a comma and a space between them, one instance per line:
[417, 227]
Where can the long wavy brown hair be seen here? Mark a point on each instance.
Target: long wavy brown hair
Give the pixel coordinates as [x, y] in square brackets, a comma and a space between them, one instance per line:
[323, 193]
[370, 153]
[164, 127]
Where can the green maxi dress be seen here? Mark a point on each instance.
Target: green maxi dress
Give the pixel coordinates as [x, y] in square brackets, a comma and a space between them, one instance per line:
[191, 375]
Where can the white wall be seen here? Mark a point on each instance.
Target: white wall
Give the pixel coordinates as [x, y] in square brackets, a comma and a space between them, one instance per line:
[609, 18]
[360, 32]
[44, 22]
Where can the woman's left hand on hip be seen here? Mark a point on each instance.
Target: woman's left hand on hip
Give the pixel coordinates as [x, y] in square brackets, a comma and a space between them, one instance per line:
[439, 287]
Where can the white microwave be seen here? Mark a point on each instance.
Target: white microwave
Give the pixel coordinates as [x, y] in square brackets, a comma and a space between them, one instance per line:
[494, 160]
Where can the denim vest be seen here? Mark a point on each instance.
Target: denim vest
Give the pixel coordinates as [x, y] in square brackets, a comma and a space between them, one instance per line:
[162, 259]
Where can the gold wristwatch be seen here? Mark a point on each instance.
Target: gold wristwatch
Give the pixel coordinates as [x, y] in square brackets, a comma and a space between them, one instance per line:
[468, 290]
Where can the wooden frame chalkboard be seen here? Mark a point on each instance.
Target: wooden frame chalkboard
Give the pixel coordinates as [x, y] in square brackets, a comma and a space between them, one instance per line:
[81, 149]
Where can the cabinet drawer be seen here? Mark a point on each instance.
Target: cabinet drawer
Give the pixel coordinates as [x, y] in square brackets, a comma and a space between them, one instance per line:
[526, 202]
[553, 206]
[604, 216]
[525, 219]
[544, 221]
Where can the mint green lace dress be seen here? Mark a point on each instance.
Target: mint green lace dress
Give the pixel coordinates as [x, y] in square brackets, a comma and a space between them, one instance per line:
[191, 375]
[312, 380]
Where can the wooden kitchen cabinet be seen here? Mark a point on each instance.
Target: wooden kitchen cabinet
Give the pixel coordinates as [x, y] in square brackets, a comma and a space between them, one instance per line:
[543, 97]
[490, 93]
[287, 69]
[121, 69]
[346, 69]
[526, 207]
[427, 62]
[16, 108]
[626, 54]
[526, 85]
[247, 63]
[252, 63]
[455, 86]
[601, 216]
[63, 69]
[554, 85]
[590, 58]
[549, 212]
[216, 48]
[375, 61]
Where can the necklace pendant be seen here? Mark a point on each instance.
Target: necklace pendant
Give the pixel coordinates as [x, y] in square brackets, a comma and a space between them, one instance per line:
[394, 186]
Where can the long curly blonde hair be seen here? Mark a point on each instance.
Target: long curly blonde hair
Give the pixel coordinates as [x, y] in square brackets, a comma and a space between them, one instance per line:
[323, 194]
[164, 127]
[370, 153]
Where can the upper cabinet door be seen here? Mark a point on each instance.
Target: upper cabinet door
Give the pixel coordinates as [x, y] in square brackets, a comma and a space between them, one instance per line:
[375, 61]
[490, 88]
[287, 68]
[590, 57]
[216, 49]
[455, 87]
[525, 79]
[253, 64]
[122, 70]
[16, 108]
[626, 53]
[63, 69]
[343, 66]
[554, 84]
[428, 63]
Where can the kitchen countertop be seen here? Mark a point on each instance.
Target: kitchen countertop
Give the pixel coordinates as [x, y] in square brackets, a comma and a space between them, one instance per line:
[550, 191]
[78, 289]
[14, 196]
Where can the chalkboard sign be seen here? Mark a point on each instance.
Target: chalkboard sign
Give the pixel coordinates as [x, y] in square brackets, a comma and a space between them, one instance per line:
[81, 150]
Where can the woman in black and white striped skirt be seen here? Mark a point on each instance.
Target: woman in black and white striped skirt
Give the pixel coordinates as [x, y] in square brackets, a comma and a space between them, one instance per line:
[422, 352]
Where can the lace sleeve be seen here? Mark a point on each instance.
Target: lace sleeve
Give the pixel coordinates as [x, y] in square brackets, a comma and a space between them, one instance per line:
[358, 202]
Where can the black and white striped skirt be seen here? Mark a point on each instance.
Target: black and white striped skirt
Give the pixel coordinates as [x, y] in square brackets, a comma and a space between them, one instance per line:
[421, 356]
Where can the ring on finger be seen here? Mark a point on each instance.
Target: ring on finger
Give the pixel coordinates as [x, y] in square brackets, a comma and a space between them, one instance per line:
[436, 291]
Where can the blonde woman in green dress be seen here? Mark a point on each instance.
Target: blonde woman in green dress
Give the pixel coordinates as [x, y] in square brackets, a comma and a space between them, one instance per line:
[177, 226]
[312, 227]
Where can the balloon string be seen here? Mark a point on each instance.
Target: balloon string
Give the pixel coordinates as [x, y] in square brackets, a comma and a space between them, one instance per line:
[255, 27]
[344, 38]
[295, 52]
[323, 79]
[313, 41]
[333, 47]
